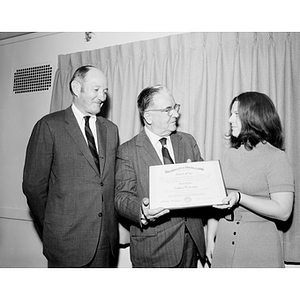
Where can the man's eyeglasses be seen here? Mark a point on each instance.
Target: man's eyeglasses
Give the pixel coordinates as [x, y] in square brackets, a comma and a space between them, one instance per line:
[169, 110]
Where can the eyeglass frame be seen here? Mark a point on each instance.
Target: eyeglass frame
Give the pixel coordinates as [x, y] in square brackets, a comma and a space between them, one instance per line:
[169, 110]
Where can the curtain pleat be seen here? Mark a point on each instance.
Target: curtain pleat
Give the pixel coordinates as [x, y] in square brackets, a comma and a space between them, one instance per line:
[255, 64]
[204, 71]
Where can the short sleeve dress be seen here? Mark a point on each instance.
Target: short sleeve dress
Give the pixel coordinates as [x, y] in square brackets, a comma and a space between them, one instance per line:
[245, 239]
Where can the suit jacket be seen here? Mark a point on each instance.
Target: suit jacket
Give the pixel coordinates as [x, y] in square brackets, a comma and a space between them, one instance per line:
[161, 243]
[68, 198]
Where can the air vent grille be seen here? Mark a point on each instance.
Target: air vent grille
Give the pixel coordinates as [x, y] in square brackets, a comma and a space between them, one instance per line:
[32, 79]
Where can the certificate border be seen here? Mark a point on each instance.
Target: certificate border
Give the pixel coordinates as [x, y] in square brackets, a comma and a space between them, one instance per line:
[194, 205]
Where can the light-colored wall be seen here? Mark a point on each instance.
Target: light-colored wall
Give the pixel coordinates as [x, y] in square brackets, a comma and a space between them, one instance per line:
[20, 245]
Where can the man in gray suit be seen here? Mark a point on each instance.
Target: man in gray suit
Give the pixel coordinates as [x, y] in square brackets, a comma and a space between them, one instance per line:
[158, 237]
[69, 178]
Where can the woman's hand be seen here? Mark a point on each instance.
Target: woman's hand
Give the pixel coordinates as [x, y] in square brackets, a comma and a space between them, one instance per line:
[233, 199]
[209, 252]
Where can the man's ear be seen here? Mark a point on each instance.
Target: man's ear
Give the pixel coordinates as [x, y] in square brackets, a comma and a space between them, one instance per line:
[76, 87]
[147, 118]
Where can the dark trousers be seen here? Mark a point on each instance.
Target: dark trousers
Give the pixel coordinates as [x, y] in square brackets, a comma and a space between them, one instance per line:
[190, 253]
[103, 257]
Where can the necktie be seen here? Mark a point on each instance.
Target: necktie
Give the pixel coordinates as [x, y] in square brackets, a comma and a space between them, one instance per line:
[165, 152]
[91, 141]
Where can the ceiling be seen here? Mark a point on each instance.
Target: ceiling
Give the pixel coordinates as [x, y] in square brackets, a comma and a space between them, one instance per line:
[8, 35]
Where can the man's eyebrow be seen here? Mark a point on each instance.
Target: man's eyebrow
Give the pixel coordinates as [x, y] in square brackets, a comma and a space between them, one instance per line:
[99, 86]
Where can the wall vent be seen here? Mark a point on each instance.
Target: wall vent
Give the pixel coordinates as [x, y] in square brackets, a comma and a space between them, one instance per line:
[32, 79]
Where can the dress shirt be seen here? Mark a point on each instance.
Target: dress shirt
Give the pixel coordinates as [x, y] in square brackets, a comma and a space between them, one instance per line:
[81, 122]
[154, 139]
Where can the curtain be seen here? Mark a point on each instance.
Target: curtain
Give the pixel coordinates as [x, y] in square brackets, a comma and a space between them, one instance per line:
[204, 72]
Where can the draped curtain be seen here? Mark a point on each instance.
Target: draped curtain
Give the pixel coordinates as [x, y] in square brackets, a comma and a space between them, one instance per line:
[204, 72]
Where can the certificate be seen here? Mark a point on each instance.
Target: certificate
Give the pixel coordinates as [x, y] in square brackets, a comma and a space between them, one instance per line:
[186, 185]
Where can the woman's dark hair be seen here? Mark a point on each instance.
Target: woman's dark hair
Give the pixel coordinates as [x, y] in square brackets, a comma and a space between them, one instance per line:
[259, 119]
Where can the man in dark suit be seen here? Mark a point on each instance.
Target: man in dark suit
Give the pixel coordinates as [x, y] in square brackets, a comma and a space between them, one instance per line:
[158, 237]
[69, 178]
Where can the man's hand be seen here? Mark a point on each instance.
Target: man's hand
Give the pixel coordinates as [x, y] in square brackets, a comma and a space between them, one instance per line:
[150, 215]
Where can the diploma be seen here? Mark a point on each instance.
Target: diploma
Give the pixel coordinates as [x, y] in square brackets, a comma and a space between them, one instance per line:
[186, 185]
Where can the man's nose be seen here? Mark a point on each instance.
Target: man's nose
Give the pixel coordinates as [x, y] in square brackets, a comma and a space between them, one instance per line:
[175, 113]
[102, 96]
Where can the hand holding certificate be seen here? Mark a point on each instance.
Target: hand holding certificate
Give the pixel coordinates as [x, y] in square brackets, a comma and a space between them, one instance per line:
[186, 185]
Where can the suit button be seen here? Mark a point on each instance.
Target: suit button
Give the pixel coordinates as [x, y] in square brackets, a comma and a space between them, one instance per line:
[102, 184]
[100, 215]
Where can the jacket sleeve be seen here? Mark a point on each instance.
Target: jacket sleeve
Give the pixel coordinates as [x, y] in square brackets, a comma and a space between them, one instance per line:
[37, 169]
[127, 203]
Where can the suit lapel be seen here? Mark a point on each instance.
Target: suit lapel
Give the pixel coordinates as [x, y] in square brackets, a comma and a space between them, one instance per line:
[177, 147]
[146, 150]
[73, 128]
[102, 141]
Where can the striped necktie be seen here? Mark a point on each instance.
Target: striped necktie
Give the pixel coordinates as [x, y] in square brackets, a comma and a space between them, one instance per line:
[165, 152]
[91, 141]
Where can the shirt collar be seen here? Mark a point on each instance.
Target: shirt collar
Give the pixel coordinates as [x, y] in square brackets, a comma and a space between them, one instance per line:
[79, 115]
[154, 138]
